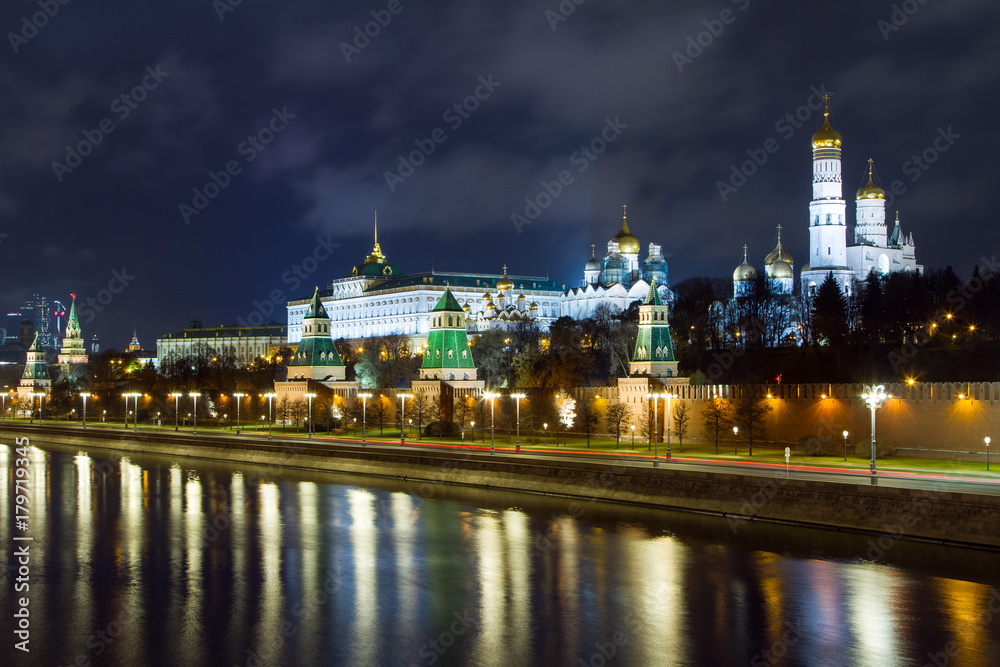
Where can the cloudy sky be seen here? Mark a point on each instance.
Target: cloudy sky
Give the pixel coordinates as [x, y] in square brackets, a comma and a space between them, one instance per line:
[200, 160]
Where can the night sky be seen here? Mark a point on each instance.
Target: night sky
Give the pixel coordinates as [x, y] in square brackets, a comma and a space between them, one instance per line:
[209, 84]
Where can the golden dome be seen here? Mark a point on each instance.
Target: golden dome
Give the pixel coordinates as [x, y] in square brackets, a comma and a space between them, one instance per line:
[505, 284]
[520, 297]
[827, 137]
[780, 270]
[487, 297]
[744, 271]
[870, 190]
[466, 307]
[533, 306]
[778, 254]
[627, 243]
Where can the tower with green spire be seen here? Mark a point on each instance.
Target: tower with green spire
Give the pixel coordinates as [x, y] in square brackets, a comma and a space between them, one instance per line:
[316, 357]
[447, 355]
[654, 351]
[35, 378]
[73, 350]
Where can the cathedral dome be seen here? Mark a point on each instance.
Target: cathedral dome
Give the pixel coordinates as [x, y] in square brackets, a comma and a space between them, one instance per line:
[521, 298]
[627, 243]
[505, 284]
[744, 271]
[780, 270]
[487, 297]
[778, 254]
[870, 190]
[533, 306]
[593, 264]
[827, 137]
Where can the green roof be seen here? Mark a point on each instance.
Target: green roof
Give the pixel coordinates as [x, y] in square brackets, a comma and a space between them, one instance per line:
[653, 296]
[316, 351]
[447, 303]
[316, 308]
[448, 348]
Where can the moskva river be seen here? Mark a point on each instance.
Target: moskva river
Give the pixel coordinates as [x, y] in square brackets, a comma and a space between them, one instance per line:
[144, 560]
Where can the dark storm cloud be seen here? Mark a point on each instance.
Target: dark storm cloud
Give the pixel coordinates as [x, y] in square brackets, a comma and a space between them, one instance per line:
[560, 83]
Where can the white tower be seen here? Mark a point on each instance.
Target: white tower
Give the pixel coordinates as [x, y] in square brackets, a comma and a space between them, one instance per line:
[827, 213]
[869, 226]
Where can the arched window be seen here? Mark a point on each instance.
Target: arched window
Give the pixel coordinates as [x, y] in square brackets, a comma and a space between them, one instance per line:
[451, 354]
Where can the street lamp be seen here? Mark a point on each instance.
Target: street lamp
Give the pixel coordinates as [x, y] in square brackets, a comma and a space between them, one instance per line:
[545, 431]
[136, 396]
[3, 408]
[654, 435]
[402, 414]
[84, 395]
[517, 400]
[125, 396]
[874, 395]
[668, 397]
[239, 397]
[736, 430]
[491, 396]
[310, 397]
[845, 445]
[269, 397]
[195, 395]
[177, 397]
[633, 436]
[472, 425]
[364, 415]
[987, 441]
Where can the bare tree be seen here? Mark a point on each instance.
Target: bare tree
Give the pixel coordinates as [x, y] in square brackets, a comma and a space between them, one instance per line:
[716, 416]
[588, 417]
[681, 418]
[422, 409]
[750, 414]
[617, 415]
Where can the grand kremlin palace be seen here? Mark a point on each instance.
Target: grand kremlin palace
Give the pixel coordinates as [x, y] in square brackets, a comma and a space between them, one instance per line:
[378, 299]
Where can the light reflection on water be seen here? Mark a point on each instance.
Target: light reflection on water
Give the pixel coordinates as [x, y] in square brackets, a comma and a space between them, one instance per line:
[137, 561]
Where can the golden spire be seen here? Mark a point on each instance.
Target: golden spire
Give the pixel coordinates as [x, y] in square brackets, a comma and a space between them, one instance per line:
[827, 137]
[376, 257]
[744, 253]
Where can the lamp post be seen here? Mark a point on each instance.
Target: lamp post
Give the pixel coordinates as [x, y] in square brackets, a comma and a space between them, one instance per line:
[654, 435]
[269, 398]
[491, 396]
[736, 451]
[177, 398]
[517, 401]
[845, 445]
[135, 422]
[668, 397]
[633, 436]
[3, 408]
[239, 397]
[402, 415]
[84, 395]
[874, 395]
[310, 398]
[195, 395]
[364, 416]
[125, 396]
[545, 431]
[987, 441]
[472, 425]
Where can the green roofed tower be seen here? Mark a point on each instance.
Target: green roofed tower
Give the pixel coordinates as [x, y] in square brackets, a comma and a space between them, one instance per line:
[447, 355]
[654, 351]
[316, 357]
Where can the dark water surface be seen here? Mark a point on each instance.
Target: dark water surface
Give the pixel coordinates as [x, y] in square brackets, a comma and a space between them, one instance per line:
[143, 560]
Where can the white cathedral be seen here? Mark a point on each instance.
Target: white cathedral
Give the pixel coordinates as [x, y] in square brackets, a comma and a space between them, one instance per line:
[873, 248]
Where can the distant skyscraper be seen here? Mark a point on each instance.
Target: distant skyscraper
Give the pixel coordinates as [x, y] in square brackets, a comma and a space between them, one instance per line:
[95, 345]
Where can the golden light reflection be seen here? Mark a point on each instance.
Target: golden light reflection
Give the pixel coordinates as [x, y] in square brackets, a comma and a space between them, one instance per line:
[192, 635]
[238, 547]
[656, 579]
[131, 554]
[568, 581]
[491, 577]
[310, 636]
[271, 597]
[874, 625]
[519, 551]
[364, 540]
[5, 494]
[770, 589]
[963, 603]
[404, 533]
[83, 598]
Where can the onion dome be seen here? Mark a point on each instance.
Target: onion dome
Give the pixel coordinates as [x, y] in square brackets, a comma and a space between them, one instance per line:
[505, 284]
[744, 271]
[870, 190]
[520, 298]
[827, 137]
[778, 254]
[487, 297]
[533, 306]
[466, 307]
[780, 270]
[627, 243]
[593, 264]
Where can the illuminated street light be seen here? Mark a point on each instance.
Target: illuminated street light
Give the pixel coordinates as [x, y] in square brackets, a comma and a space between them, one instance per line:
[845, 445]
[239, 397]
[84, 395]
[364, 415]
[633, 436]
[517, 400]
[736, 430]
[491, 396]
[136, 396]
[402, 411]
[195, 395]
[655, 433]
[987, 441]
[310, 398]
[874, 395]
[177, 398]
[269, 398]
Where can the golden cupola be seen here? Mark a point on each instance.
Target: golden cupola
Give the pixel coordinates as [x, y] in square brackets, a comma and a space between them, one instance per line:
[505, 284]
[827, 137]
[870, 190]
[627, 243]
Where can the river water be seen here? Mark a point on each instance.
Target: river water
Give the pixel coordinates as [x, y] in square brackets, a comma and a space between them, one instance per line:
[144, 560]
